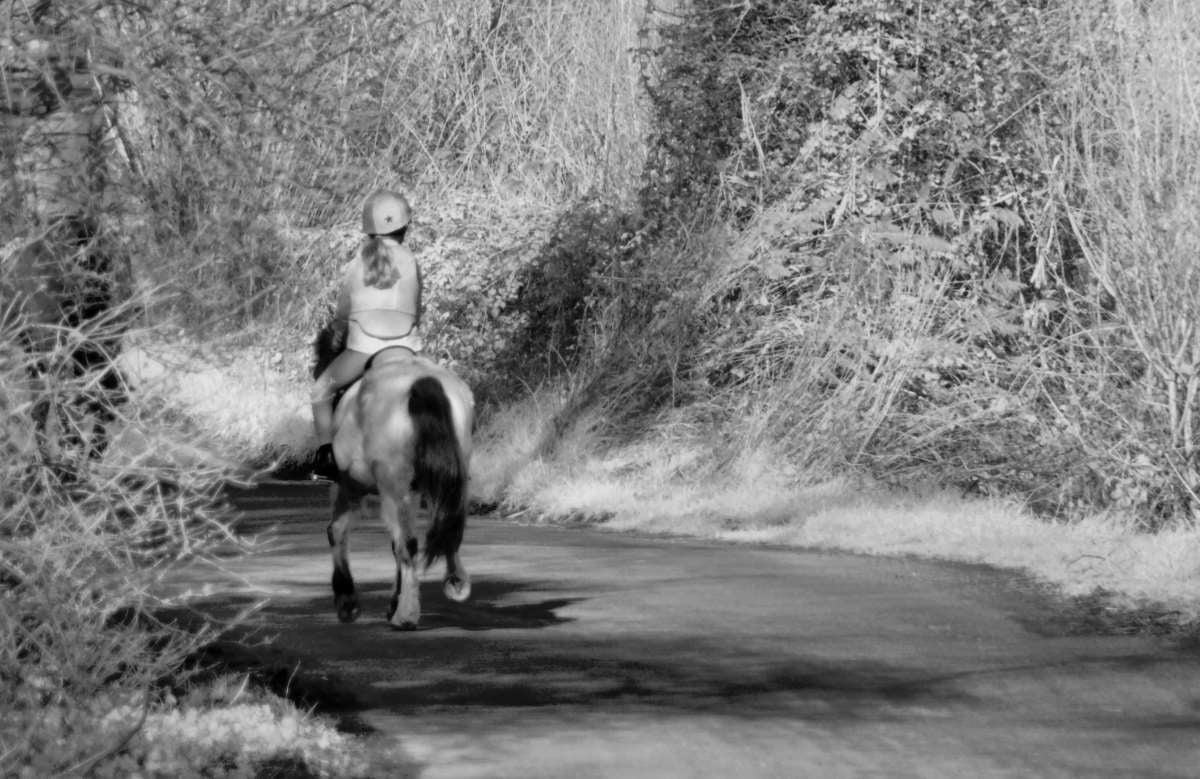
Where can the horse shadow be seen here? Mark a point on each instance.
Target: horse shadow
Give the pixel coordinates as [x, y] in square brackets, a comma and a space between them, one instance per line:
[495, 604]
[486, 609]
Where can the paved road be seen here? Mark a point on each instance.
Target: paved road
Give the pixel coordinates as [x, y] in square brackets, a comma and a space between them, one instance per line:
[584, 654]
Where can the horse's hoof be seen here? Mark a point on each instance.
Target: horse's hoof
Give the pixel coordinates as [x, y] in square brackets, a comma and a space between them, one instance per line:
[404, 624]
[347, 610]
[457, 589]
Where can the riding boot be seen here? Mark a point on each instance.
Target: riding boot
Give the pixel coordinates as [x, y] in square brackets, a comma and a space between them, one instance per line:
[324, 464]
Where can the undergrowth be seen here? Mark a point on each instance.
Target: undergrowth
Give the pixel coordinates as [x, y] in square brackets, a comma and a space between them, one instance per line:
[89, 528]
[915, 254]
[861, 233]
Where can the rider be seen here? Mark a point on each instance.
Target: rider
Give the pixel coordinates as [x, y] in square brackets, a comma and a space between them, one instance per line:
[379, 305]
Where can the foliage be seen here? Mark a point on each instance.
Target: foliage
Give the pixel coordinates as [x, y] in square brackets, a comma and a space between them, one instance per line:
[88, 524]
[243, 734]
[860, 153]
[224, 727]
[475, 264]
[88, 527]
[932, 271]
[1124, 139]
[235, 126]
[896, 117]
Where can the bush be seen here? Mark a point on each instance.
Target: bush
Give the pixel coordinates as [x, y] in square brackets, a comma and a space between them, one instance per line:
[89, 525]
[1125, 146]
[858, 151]
[86, 541]
[943, 260]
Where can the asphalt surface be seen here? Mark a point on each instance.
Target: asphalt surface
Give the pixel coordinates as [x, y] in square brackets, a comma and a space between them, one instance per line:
[590, 654]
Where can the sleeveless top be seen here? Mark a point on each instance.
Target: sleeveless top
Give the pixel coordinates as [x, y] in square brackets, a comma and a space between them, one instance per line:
[382, 317]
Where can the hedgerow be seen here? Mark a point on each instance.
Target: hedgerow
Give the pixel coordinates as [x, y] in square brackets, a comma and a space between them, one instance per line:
[870, 234]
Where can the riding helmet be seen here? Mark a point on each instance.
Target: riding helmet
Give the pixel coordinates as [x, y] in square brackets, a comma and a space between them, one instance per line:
[385, 212]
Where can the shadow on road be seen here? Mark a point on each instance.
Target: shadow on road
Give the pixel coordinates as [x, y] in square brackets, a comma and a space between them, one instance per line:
[670, 676]
[451, 662]
[484, 611]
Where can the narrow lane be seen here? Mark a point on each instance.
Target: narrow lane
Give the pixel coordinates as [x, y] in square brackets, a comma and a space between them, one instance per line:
[584, 653]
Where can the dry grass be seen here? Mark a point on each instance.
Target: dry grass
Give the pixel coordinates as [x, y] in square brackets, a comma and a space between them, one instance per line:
[678, 481]
[87, 533]
[227, 728]
[1126, 158]
[246, 406]
[538, 98]
[96, 680]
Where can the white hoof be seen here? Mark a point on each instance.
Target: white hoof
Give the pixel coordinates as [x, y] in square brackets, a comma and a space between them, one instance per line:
[457, 589]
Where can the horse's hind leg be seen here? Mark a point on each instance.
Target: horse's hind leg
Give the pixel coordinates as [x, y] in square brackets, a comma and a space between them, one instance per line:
[346, 509]
[397, 515]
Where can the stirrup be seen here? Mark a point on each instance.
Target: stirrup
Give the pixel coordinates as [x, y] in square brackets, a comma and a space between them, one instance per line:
[325, 464]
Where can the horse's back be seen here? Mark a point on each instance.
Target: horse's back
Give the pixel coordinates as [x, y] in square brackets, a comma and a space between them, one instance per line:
[388, 382]
[374, 426]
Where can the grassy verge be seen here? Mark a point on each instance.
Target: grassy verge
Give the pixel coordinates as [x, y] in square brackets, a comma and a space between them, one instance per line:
[676, 480]
[104, 499]
[225, 727]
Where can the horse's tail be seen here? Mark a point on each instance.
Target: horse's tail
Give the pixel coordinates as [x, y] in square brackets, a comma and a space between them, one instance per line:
[439, 472]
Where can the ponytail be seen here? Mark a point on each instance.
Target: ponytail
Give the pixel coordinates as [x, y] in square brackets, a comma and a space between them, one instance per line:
[378, 269]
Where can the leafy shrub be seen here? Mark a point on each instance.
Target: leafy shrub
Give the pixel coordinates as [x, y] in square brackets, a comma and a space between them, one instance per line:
[77, 596]
[1126, 198]
[912, 285]
[558, 289]
[88, 524]
[861, 152]
[881, 113]
[473, 250]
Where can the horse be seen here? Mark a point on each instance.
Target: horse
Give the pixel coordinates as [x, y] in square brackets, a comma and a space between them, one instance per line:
[403, 432]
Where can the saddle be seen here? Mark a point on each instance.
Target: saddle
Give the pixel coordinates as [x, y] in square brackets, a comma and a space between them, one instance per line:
[337, 398]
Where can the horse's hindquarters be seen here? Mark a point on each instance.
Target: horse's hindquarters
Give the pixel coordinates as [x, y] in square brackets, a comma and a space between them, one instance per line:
[404, 431]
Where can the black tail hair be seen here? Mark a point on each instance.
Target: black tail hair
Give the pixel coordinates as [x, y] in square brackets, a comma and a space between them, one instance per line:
[439, 472]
